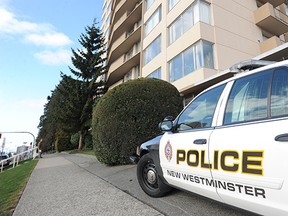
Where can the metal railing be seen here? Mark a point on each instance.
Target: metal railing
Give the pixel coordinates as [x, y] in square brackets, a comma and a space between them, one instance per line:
[15, 159]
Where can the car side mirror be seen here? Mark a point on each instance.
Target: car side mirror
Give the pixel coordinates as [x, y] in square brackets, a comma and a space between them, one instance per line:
[166, 124]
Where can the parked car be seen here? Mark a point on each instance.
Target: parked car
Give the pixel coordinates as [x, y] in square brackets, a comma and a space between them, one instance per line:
[4, 157]
[230, 143]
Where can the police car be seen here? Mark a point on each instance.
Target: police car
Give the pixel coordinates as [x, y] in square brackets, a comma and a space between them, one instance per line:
[230, 143]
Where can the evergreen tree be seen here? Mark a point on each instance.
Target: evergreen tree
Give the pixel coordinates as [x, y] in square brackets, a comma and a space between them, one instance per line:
[90, 70]
[49, 122]
[69, 109]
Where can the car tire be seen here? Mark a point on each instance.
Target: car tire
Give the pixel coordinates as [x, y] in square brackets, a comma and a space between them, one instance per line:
[149, 179]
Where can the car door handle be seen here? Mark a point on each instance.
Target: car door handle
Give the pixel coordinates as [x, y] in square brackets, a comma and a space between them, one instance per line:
[282, 138]
[200, 141]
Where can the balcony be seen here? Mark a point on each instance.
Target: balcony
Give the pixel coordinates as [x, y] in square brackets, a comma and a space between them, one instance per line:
[271, 20]
[275, 3]
[270, 44]
[122, 44]
[126, 15]
[120, 7]
[118, 11]
[120, 67]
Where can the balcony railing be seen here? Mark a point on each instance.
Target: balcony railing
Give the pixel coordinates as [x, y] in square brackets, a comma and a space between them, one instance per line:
[125, 22]
[120, 67]
[271, 20]
[275, 3]
[270, 43]
[122, 44]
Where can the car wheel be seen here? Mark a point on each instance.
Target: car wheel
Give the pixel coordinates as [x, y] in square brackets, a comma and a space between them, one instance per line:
[148, 178]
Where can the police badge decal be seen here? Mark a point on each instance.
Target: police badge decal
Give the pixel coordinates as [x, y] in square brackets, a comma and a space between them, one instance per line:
[168, 151]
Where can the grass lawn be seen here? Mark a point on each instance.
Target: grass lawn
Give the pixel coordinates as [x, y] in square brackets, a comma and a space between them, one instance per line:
[12, 184]
[89, 152]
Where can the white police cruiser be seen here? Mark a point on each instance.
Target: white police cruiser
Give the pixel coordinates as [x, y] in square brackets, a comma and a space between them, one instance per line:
[230, 144]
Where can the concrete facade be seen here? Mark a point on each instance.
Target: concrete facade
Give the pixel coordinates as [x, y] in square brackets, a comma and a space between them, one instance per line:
[186, 42]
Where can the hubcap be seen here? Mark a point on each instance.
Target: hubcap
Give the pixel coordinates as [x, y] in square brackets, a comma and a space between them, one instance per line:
[151, 177]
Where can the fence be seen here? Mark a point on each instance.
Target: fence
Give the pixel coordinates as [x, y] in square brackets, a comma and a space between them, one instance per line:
[31, 153]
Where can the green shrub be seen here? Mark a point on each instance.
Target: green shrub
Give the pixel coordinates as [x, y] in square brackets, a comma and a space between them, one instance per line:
[128, 115]
[74, 139]
[87, 142]
[62, 141]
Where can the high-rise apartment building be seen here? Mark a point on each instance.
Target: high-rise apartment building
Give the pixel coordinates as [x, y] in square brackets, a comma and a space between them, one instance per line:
[123, 33]
[191, 43]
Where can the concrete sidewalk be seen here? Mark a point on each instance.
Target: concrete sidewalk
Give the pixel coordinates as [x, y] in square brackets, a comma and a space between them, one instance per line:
[63, 185]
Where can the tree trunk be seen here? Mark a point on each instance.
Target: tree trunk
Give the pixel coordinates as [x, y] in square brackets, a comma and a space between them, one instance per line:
[80, 141]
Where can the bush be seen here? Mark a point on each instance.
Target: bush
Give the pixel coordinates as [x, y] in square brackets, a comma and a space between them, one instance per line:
[62, 141]
[128, 115]
[74, 139]
[87, 142]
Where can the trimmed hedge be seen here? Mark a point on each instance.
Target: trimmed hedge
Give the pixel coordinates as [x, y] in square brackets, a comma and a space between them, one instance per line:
[128, 115]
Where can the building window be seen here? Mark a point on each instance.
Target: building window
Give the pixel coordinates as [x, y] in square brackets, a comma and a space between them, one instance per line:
[136, 72]
[129, 54]
[189, 61]
[207, 55]
[137, 47]
[197, 56]
[172, 3]
[155, 74]
[108, 19]
[109, 6]
[152, 21]
[149, 3]
[176, 68]
[204, 12]
[128, 76]
[152, 50]
[138, 23]
[130, 31]
[199, 11]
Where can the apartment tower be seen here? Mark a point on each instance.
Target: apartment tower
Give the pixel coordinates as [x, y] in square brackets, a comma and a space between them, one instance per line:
[190, 43]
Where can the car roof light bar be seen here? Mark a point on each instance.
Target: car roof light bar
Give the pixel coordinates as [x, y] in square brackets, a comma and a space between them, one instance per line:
[248, 65]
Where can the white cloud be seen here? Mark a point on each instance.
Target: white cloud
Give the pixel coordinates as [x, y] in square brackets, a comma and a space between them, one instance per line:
[49, 39]
[35, 33]
[40, 34]
[54, 57]
[11, 25]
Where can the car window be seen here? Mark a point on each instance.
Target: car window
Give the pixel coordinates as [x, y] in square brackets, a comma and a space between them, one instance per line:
[3, 157]
[199, 113]
[279, 96]
[248, 99]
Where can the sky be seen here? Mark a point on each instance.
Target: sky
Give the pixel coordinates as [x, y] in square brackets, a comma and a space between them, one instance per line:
[36, 37]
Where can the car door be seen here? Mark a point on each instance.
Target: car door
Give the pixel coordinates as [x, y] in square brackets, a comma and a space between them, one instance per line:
[184, 152]
[250, 149]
